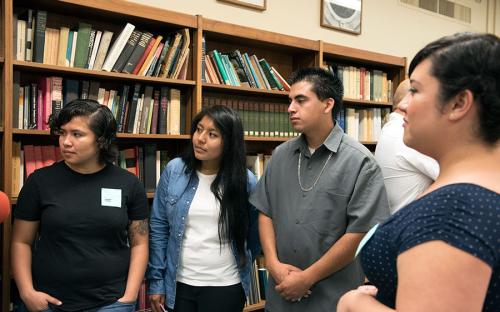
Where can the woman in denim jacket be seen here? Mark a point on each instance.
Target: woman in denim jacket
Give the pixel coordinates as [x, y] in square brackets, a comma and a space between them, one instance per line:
[204, 233]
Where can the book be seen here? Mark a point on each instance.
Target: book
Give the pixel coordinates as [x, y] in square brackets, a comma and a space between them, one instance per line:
[30, 33]
[183, 53]
[95, 47]
[21, 40]
[117, 47]
[144, 56]
[137, 53]
[164, 72]
[149, 58]
[103, 49]
[63, 47]
[39, 42]
[82, 44]
[127, 51]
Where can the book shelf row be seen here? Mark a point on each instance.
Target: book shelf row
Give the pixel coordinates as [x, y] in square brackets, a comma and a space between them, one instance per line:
[132, 51]
[138, 109]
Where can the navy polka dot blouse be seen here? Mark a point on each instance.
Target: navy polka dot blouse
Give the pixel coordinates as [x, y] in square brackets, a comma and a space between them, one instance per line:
[465, 216]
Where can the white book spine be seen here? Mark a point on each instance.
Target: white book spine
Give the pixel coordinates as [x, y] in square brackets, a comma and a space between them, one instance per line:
[117, 47]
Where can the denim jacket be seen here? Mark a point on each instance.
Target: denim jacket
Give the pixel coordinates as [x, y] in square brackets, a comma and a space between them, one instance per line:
[171, 204]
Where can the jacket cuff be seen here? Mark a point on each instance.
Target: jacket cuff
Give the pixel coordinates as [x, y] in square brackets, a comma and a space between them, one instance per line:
[156, 287]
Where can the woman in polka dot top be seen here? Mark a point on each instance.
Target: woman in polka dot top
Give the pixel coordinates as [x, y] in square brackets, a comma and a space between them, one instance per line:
[442, 252]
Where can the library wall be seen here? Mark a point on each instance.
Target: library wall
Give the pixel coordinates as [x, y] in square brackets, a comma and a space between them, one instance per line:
[387, 25]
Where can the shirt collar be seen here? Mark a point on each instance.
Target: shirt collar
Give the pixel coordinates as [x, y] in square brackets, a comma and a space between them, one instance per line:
[332, 141]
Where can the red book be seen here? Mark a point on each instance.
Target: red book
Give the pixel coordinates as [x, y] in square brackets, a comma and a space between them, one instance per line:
[29, 159]
[154, 117]
[144, 56]
[48, 155]
[38, 157]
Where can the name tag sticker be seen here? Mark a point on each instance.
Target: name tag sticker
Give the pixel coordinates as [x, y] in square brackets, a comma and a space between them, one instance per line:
[111, 197]
[366, 238]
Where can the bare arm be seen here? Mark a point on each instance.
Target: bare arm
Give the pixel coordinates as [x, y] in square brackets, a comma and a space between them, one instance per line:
[433, 276]
[138, 238]
[23, 234]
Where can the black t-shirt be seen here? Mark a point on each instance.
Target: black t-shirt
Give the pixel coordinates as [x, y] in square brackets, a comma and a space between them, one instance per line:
[81, 255]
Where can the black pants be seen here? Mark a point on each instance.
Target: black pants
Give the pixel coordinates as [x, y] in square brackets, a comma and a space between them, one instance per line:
[209, 298]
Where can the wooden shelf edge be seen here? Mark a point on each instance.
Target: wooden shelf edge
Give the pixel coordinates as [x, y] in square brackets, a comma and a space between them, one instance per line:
[118, 135]
[96, 73]
[244, 89]
[267, 139]
[2, 59]
[335, 50]
[137, 10]
[255, 307]
[366, 102]
[260, 35]
[153, 136]
[30, 132]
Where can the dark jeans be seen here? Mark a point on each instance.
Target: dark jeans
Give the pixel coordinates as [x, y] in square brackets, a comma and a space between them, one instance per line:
[209, 298]
[114, 307]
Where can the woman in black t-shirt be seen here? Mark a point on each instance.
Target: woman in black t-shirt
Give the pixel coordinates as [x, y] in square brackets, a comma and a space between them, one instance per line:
[89, 218]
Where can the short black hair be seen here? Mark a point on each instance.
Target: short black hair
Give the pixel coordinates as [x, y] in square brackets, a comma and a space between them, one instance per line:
[468, 61]
[101, 122]
[324, 84]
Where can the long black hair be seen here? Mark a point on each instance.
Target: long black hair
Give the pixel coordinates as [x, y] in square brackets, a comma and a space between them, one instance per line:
[230, 184]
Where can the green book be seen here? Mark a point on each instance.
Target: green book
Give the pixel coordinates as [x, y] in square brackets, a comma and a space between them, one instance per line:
[220, 66]
[82, 44]
[269, 75]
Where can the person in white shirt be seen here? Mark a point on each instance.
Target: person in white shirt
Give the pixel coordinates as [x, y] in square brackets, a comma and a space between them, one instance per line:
[407, 173]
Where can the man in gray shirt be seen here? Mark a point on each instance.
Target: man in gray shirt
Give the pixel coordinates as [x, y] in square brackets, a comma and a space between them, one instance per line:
[320, 194]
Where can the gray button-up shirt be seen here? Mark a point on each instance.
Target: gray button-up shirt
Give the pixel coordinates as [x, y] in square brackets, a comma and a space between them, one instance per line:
[349, 197]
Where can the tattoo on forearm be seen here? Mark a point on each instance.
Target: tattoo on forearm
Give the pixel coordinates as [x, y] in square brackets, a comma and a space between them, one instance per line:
[138, 227]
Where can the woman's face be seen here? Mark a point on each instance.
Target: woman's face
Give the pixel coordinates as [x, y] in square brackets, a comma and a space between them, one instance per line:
[424, 117]
[207, 142]
[78, 145]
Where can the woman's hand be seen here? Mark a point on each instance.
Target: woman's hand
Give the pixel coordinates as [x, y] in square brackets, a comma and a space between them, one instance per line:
[353, 300]
[157, 303]
[38, 301]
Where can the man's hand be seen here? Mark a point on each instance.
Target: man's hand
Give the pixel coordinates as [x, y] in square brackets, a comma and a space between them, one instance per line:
[280, 270]
[294, 286]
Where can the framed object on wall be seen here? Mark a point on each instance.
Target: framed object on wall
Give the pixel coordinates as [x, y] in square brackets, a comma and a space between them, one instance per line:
[343, 15]
[253, 4]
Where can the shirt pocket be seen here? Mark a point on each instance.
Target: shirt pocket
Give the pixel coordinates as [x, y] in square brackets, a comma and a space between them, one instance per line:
[328, 212]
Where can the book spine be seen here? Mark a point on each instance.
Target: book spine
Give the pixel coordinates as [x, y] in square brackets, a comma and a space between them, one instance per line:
[117, 47]
[82, 45]
[39, 43]
[127, 51]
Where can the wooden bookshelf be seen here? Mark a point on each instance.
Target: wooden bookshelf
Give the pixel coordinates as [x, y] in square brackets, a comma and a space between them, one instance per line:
[284, 52]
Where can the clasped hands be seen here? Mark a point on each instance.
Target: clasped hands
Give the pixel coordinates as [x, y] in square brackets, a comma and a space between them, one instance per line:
[291, 282]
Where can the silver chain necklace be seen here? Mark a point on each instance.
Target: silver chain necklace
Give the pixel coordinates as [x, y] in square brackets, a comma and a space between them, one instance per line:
[307, 189]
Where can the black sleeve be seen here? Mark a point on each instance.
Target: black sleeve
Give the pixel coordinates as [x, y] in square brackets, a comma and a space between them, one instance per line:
[137, 202]
[28, 205]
